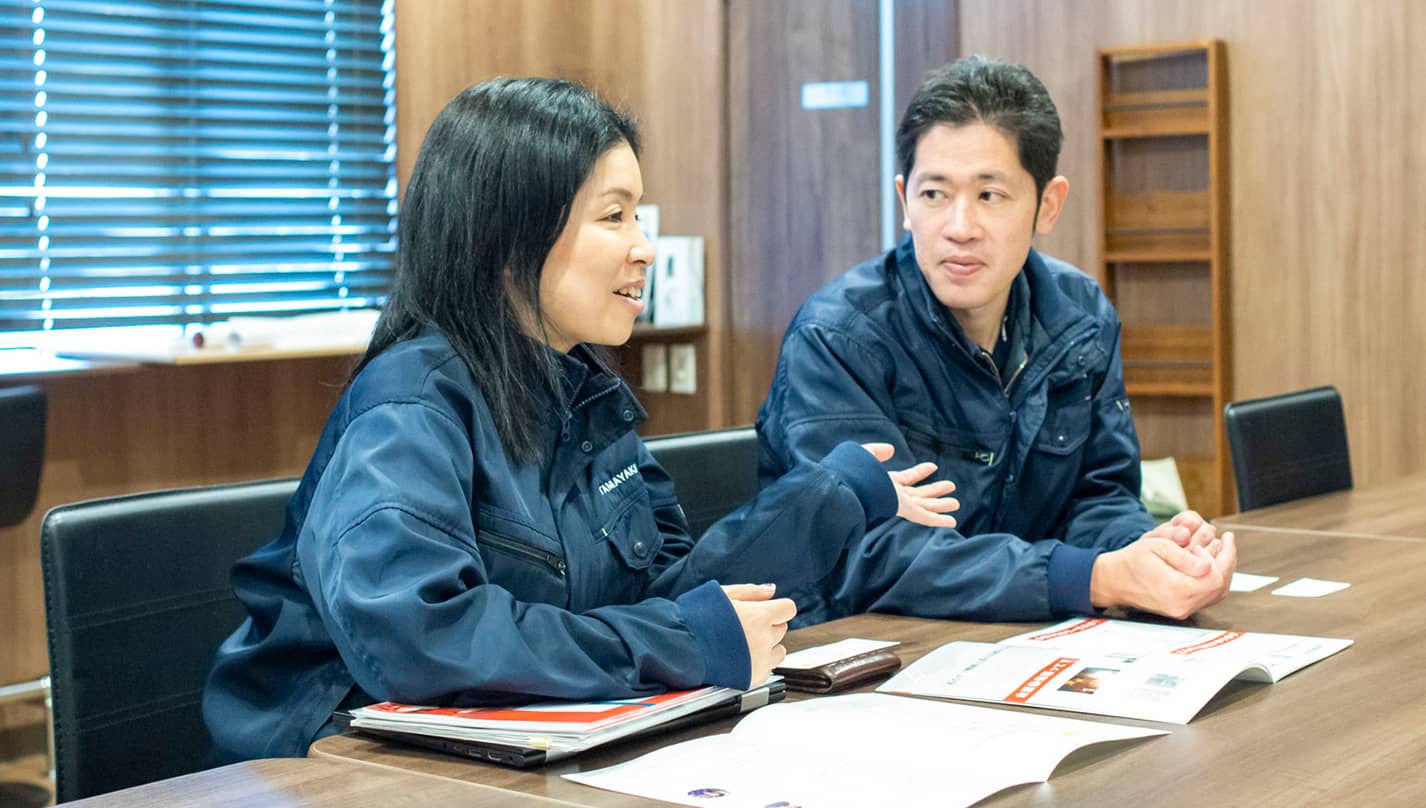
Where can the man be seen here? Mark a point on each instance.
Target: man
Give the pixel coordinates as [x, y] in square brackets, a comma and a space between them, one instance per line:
[966, 347]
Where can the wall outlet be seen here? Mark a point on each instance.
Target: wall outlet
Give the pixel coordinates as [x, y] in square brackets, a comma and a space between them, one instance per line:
[682, 369]
[654, 360]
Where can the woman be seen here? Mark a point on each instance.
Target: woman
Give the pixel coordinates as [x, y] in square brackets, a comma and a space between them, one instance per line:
[479, 523]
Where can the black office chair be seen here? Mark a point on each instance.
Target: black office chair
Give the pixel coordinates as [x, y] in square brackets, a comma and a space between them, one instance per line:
[1289, 446]
[22, 430]
[137, 600]
[22, 458]
[713, 472]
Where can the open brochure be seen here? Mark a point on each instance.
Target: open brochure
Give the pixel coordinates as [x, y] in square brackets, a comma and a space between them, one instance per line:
[538, 733]
[859, 750]
[1110, 667]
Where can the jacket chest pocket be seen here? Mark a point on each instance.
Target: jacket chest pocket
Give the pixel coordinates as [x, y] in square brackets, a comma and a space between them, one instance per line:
[631, 533]
[1067, 419]
[522, 567]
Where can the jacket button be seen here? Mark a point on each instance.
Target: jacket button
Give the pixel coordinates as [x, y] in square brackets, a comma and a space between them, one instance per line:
[627, 415]
[640, 549]
[586, 446]
[1061, 438]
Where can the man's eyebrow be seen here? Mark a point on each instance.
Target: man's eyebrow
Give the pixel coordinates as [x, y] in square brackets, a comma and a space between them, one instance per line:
[984, 176]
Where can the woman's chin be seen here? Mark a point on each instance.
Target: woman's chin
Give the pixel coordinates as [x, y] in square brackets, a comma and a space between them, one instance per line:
[614, 337]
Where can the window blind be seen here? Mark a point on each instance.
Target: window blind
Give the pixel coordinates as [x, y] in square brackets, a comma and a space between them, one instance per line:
[183, 161]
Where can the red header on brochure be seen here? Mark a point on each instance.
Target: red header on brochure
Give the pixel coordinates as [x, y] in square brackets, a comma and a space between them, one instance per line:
[1213, 642]
[1031, 686]
[1083, 625]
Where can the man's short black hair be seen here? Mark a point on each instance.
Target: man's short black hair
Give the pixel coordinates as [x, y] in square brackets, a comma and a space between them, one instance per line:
[978, 89]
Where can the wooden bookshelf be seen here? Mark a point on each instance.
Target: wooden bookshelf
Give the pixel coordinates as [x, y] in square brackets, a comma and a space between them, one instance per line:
[1163, 128]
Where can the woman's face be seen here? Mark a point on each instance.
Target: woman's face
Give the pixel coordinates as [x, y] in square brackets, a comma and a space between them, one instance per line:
[592, 285]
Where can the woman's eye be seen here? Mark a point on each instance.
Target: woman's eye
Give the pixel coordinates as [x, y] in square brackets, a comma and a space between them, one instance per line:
[617, 216]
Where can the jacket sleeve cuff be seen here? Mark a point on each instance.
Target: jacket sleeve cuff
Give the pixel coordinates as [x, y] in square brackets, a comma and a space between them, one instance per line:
[861, 472]
[1070, 570]
[719, 634]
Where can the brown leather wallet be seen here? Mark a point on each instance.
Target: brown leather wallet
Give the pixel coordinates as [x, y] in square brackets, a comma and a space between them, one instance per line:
[842, 674]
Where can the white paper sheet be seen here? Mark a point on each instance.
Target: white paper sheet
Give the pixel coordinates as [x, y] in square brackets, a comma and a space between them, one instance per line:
[859, 750]
[1248, 582]
[1310, 588]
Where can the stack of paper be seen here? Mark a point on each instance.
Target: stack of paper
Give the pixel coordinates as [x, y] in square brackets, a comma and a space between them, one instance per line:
[558, 727]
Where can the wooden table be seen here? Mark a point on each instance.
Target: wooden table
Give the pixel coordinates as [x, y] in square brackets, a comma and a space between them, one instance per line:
[1395, 509]
[1346, 729]
[309, 782]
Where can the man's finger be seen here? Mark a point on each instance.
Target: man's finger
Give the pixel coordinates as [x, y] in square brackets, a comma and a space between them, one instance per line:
[1205, 534]
[750, 592]
[1189, 519]
[1185, 561]
[940, 488]
[881, 451]
[915, 474]
[1227, 558]
[940, 504]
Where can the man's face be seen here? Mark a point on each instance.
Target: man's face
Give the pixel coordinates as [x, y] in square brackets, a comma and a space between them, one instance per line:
[971, 209]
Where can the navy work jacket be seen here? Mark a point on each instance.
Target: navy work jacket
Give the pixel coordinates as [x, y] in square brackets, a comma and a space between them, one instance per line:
[1045, 459]
[420, 564]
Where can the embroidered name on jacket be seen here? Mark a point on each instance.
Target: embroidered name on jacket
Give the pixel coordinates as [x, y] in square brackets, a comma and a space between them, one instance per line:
[618, 479]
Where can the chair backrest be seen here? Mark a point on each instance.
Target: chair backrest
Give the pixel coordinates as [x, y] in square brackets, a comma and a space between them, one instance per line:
[713, 472]
[1289, 446]
[22, 434]
[137, 600]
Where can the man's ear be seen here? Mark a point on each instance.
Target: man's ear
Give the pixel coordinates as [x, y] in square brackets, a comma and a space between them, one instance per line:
[901, 194]
[1052, 202]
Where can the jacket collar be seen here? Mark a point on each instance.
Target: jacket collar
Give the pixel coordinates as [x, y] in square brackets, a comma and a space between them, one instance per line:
[1049, 313]
[585, 379]
[594, 403]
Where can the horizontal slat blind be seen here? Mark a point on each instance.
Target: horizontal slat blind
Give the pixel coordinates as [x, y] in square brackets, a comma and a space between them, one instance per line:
[182, 161]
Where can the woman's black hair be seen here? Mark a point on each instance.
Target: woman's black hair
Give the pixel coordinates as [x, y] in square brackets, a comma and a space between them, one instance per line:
[489, 195]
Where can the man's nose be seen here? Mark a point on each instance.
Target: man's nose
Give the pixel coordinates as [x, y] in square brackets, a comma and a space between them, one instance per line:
[961, 222]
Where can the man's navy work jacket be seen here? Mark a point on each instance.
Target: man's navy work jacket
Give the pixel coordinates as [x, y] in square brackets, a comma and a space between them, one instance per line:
[420, 564]
[1046, 460]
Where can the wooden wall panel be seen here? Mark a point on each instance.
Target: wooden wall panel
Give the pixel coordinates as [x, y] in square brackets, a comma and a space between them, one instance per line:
[661, 60]
[149, 429]
[1328, 185]
[805, 185]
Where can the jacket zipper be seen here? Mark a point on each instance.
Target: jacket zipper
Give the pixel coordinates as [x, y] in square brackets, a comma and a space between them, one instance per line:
[1024, 360]
[600, 394]
[505, 544]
